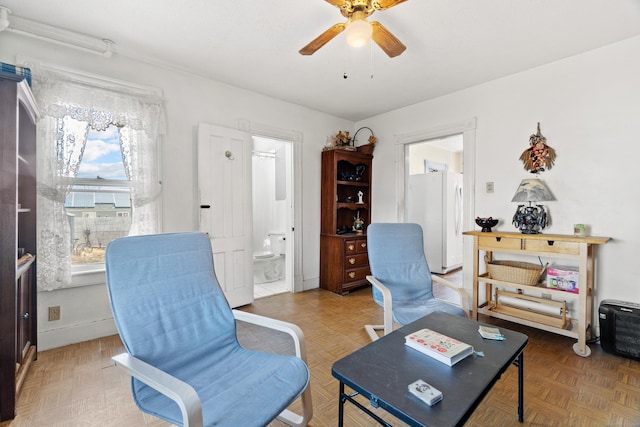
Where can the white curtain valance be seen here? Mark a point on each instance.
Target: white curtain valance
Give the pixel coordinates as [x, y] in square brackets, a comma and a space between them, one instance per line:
[59, 96]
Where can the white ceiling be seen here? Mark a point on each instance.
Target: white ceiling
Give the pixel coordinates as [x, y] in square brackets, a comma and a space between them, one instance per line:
[451, 44]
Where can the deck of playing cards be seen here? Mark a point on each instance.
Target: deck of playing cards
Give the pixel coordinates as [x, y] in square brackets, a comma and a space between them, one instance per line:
[425, 392]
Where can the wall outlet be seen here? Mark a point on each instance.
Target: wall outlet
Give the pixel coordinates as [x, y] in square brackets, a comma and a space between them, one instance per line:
[54, 313]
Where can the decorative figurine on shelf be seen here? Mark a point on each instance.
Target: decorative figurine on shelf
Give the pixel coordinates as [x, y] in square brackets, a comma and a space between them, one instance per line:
[539, 156]
[339, 140]
[530, 219]
[358, 224]
[342, 139]
[486, 223]
[360, 194]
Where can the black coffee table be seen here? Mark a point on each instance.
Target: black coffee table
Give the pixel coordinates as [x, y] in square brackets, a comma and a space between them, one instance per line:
[382, 370]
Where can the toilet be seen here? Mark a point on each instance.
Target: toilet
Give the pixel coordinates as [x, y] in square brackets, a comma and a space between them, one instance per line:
[268, 265]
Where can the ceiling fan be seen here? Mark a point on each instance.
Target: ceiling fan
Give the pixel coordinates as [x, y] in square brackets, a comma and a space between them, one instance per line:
[359, 30]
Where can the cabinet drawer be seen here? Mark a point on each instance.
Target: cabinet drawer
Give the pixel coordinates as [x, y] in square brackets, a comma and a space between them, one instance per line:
[358, 260]
[571, 248]
[358, 246]
[356, 274]
[492, 243]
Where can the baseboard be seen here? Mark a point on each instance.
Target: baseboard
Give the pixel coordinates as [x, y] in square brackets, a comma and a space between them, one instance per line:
[53, 338]
[311, 284]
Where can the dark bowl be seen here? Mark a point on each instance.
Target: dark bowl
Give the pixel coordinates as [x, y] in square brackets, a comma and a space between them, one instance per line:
[486, 223]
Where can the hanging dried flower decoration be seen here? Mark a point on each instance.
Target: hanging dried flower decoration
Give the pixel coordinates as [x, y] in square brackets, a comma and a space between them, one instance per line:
[539, 156]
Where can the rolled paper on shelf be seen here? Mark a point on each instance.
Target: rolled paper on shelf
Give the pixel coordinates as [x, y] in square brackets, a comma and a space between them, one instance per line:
[525, 304]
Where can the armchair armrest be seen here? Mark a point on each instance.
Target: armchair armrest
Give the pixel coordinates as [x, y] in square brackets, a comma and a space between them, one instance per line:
[178, 391]
[297, 335]
[464, 298]
[387, 306]
[293, 330]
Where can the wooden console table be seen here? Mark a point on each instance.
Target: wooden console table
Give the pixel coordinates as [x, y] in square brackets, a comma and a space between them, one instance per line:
[580, 250]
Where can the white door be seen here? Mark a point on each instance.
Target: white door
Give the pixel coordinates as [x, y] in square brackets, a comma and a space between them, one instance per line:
[224, 187]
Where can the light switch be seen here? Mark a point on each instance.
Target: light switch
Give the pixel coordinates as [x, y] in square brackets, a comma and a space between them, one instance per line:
[489, 187]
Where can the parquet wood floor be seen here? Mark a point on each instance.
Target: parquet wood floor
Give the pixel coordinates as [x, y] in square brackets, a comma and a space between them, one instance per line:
[78, 385]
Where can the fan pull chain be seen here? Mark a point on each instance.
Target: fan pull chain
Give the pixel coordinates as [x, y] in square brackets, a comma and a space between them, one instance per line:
[345, 75]
[371, 60]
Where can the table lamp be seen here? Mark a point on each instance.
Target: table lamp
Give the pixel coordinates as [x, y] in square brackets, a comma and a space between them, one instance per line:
[531, 219]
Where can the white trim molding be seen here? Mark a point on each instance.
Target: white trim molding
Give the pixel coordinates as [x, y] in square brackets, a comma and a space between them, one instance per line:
[295, 137]
[468, 129]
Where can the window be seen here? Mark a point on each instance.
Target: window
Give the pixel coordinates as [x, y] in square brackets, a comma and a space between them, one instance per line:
[99, 203]
[98, 168]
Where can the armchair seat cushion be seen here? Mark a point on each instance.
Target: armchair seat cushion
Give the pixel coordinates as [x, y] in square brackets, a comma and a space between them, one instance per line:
[409, 311]
[232, 388]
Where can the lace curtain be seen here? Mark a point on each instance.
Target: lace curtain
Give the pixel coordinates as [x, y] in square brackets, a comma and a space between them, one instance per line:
[69, 108]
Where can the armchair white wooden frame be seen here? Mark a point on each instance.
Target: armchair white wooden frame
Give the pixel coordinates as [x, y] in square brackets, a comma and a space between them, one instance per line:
[187, 398]
[388, 325]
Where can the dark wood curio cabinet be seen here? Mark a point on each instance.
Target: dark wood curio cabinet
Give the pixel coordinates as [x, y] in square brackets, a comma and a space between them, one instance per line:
[345, 198]
[18, 319]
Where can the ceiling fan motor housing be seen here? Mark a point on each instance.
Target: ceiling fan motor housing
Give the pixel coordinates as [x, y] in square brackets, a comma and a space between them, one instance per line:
[357, 9]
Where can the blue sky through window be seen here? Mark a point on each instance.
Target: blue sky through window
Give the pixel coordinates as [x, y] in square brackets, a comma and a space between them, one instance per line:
[102, 156]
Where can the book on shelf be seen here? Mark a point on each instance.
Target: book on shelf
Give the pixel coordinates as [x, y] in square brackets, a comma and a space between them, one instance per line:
[490, 333]
[438, 346]
[23, 259]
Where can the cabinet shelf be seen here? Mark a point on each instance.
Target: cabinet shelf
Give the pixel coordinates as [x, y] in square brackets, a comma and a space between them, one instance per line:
[352, 206]
[557, 292]
[353, 183]
[22, 268]
[569, 332]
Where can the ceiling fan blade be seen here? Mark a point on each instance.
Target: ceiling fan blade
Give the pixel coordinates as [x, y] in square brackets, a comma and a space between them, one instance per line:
[385, 4]
[387, 41]
[322, 39]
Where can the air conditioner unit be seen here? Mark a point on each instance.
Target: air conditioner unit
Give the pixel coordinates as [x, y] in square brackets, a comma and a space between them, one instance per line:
[620, 328]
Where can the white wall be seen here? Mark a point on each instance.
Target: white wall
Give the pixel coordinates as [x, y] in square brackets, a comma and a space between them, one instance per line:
[588, 107]
[589, 110]
[269, 214]
[188, 100]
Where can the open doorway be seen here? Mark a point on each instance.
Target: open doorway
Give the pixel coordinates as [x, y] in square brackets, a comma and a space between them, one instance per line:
[434, 199]
[272, 201]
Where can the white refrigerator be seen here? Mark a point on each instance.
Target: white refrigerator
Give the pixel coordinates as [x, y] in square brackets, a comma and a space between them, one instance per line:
[434, 201]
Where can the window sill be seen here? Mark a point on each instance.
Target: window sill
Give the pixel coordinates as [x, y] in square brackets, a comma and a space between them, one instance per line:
[87, 275]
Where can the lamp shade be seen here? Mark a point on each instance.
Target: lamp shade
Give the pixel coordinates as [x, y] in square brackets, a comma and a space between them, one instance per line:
[358, 33]
[532, 190]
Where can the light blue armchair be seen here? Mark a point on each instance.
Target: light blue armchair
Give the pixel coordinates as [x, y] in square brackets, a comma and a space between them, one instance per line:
[179, 332]
[400, 277]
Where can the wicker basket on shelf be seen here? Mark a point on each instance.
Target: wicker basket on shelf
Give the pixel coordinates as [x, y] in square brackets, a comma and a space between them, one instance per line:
[366, 148]
[524, 273]
[371, 142]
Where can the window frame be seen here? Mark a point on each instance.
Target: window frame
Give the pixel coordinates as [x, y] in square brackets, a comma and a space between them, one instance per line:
[110, 186]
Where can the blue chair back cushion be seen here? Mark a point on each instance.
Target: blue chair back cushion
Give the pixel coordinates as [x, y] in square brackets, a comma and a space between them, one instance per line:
[171, 312]
[396, 258]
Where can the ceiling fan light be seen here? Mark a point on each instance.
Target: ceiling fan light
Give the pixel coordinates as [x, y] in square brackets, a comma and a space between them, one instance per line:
[358, 33]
